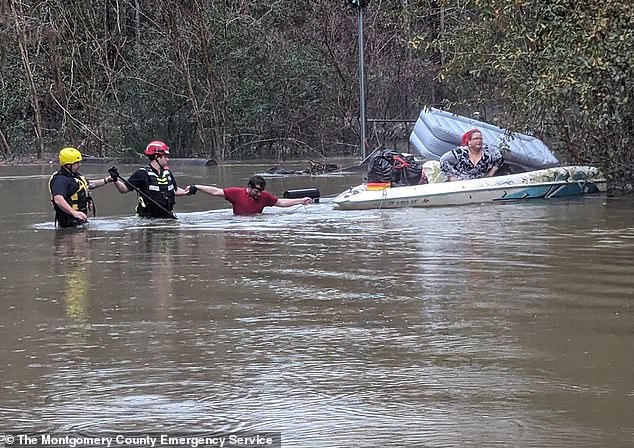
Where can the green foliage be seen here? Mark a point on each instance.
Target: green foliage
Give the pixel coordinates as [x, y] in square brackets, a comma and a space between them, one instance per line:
[215, 78]
[14, 113]
[251, 79]
[561, 68]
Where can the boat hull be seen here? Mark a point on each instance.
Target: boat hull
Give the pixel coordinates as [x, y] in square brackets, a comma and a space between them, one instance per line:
[541, 184]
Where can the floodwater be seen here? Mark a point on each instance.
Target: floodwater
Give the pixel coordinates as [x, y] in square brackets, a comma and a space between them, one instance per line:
[506, 325]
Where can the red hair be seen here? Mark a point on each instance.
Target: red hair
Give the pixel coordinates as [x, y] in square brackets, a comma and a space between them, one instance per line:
[467, 135]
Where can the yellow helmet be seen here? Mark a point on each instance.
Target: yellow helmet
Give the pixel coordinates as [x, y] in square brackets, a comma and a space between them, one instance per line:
[68, 156]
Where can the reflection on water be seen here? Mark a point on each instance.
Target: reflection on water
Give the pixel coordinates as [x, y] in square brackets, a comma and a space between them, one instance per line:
[71, 259]
[508, 325]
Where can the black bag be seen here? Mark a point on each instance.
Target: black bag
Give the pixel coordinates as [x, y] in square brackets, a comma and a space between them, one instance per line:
[407, 171]
[398, 169]
[380, 166]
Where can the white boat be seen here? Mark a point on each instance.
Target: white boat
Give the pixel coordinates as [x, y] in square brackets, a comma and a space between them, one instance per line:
[540, 184]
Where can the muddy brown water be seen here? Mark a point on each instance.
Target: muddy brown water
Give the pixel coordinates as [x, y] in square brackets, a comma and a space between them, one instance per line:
[490, 325]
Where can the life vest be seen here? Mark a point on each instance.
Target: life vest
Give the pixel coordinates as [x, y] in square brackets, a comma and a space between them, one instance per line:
[77, 196]
[161, 189]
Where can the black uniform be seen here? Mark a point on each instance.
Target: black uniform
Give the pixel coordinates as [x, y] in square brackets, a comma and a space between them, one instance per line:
[74, 188]
[160, 187]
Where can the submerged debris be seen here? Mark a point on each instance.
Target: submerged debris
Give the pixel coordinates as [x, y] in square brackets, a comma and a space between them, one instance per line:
[313, 169]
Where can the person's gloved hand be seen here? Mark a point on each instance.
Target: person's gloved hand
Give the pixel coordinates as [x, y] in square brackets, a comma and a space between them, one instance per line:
[192, 190]
[114, 173]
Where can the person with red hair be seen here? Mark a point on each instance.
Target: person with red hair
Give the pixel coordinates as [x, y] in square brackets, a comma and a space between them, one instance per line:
[471, 160]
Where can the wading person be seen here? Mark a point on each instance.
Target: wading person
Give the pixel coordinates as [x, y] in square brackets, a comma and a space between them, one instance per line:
[252, 199]
[471, 160]
[155, 184]
[70, 191]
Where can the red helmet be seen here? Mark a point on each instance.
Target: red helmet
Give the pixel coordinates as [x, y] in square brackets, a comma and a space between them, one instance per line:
[156, 148]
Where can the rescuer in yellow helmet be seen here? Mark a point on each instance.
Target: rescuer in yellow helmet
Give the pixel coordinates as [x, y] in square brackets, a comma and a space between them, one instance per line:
[70, 190]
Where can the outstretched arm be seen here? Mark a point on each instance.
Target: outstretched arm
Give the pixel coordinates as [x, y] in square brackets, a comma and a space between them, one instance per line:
[119, 184]
[290, 202]
[211, 190]
[92, 184]
[182, 191]
[122, 187]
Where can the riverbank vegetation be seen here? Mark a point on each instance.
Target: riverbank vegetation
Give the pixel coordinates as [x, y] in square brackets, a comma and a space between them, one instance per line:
[240, 79]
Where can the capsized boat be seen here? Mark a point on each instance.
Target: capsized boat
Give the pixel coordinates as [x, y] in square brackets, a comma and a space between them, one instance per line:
[539, 184]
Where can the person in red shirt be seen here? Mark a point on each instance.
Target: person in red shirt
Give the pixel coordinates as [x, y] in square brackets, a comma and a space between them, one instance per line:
[252, 199]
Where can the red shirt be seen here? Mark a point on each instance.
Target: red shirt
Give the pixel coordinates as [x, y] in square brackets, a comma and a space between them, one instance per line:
[243, 204]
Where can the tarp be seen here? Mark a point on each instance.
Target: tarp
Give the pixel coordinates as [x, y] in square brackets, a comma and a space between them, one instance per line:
[437, 132]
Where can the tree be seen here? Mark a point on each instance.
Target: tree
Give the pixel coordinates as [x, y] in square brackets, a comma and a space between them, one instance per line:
[563, 69]
[24, 26]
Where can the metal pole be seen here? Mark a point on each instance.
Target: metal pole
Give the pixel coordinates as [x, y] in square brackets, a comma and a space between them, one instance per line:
[362, 110]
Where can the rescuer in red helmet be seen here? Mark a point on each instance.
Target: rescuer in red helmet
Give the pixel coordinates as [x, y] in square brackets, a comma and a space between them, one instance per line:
[154, 183]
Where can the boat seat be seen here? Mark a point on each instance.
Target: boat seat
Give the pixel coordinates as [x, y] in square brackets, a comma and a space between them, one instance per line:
[431, 168]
